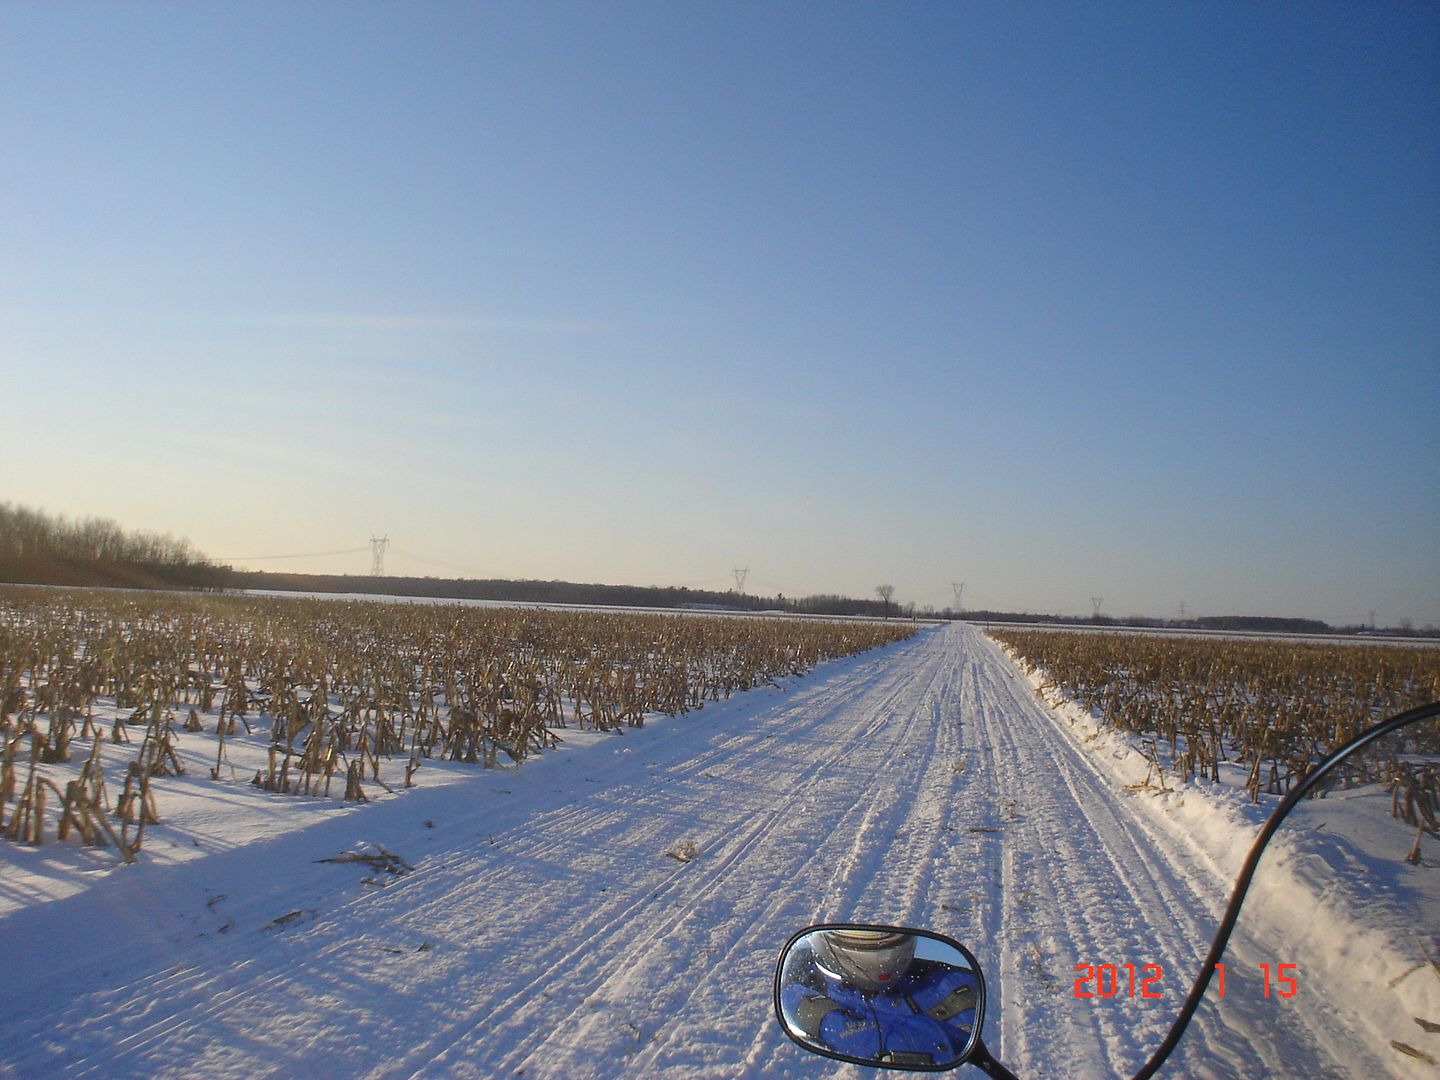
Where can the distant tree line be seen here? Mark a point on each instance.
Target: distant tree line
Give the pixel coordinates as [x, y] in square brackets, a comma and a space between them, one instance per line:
[42, 549]
[39, 548]
[1255, 624]
[553, 592]
[1263, 624]
[1250, 624]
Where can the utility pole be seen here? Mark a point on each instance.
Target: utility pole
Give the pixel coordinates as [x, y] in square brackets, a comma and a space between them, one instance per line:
[378, 544]
[740, 579]
[959, 587]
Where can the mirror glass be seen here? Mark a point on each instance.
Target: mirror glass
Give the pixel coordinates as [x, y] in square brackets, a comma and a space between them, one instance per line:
[880, 995]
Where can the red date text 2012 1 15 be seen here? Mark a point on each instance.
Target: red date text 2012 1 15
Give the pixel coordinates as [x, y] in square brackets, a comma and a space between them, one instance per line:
[1144, 980]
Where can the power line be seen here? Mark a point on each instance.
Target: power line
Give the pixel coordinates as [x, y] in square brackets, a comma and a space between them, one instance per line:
[301, 555]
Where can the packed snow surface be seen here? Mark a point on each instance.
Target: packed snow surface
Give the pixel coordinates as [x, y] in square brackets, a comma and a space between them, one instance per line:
[616, 907]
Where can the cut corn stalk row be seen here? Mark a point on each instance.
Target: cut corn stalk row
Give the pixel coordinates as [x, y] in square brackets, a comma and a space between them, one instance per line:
[343, 688]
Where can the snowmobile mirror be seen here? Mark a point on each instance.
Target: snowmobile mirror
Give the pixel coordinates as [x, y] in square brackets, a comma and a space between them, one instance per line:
[886, 996]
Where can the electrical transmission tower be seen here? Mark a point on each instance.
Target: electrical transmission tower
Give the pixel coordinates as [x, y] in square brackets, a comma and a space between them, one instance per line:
[959, 587]
[1095, 602]
[740, 579]
[378, 544]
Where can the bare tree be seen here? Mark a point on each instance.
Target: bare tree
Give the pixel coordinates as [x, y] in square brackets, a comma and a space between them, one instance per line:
[885, 592]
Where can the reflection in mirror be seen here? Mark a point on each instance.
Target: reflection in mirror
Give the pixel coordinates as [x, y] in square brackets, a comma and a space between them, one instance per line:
[880, 995]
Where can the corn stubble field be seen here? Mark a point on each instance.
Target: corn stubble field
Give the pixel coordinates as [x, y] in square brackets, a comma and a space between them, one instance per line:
[1274, 708]
[324, 698]
[99, 689]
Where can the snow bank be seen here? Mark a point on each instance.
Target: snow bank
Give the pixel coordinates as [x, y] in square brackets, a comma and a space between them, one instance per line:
[1333, 893]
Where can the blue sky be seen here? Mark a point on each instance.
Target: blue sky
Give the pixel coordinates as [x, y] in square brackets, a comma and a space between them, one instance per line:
[1132, 301]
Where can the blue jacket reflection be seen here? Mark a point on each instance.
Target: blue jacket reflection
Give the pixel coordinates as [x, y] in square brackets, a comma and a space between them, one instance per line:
[926, 1018]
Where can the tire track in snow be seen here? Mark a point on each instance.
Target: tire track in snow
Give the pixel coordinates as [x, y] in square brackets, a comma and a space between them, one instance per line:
[1124, 891]
[1069, 884]
[771, 842]
[580, 965]
[856, 890]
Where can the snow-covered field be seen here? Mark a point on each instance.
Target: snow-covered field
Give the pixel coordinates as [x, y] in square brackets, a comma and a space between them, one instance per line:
[534, 921]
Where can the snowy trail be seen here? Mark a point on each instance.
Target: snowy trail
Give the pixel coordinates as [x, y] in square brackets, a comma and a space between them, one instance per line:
[545, 931]
[1086, 879]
